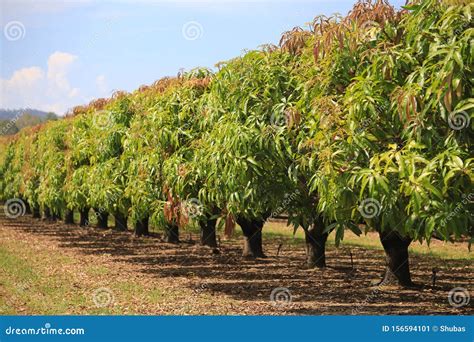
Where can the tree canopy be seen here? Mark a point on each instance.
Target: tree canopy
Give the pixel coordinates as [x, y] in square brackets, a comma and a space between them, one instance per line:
[358, 122]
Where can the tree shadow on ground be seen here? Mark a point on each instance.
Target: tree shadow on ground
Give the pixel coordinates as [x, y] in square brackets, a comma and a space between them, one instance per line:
[283, 281]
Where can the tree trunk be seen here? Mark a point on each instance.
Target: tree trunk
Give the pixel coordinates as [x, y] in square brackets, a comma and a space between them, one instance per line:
[120, 221]
[102, 218]
[47, 214]
[84, 217]
[316, 244]
[55, 216]
[36, 213]
[252, 230]
[396, 251]
[171, 233]
[141, 227]
[208, 232]
[69, 216]
[27, 207]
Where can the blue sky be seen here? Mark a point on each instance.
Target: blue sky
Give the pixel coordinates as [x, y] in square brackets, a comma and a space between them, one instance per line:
[58, 54]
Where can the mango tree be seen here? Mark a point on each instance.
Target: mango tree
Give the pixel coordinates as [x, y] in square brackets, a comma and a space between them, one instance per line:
[19, 177]
[78, 160]
[181, 178]
[155, 136]
[50, 163]
[108, 178]
[400, 157]
[239, 164]
[327, 57]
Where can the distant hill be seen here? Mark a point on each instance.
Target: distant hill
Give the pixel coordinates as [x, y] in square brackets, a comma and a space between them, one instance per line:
[8, 114]
[13, 120]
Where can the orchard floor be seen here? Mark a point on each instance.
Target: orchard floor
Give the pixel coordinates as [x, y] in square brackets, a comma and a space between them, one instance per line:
[52, 268]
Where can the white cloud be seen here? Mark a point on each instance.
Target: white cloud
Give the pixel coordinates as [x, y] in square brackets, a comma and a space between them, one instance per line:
[58, 67]
[45, 90]
[22, 88]
[25, 77]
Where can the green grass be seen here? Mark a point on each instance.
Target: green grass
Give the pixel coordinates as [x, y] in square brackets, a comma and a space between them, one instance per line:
[444, 250]
[36, 281]
[27, 286]
[279, 230]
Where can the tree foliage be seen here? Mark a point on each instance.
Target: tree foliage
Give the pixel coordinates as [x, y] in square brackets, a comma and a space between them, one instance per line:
[366, 118]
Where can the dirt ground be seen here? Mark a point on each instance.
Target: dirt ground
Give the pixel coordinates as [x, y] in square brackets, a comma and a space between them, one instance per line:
[148, 276]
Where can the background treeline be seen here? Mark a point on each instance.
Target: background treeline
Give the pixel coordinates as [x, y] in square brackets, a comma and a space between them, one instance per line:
[13, 120]
[361, 122]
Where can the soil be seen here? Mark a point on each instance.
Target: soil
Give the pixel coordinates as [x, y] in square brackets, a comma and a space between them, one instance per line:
[200, 280]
